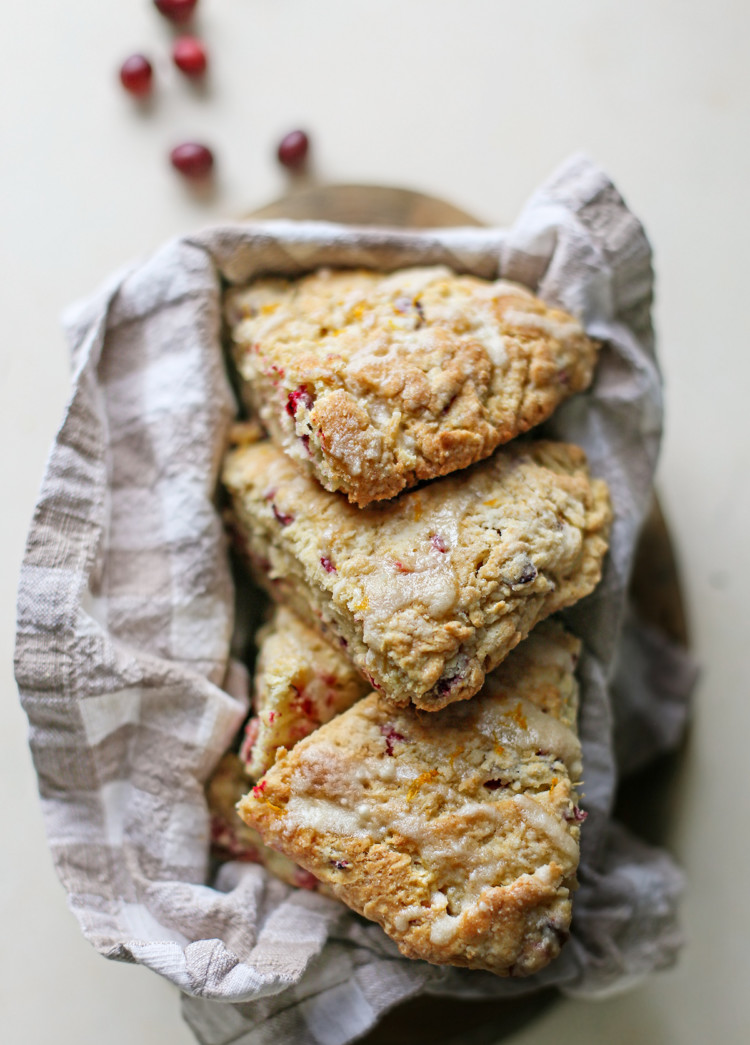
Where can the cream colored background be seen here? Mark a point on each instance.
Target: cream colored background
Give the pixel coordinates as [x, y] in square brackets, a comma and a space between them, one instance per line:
[476, 101]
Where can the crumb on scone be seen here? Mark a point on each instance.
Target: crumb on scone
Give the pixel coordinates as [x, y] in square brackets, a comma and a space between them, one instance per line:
[376, 381]
[301, 681]
[232, 839]
[457, 832]
[429, 592]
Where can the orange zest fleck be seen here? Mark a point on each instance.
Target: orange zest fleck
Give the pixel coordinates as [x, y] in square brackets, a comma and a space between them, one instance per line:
[258, 792]
[267, 310]
[499, 749]
[278, 810]
[492, 503]
[420, 780]
[417, 509]
[459, 750]
[518, 716]
[364, 604]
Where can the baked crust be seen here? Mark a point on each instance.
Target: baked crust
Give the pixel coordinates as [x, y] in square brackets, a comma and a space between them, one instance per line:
[231, 839]
[301, 681]
[429, 592]
[457, 832]
[376, 381]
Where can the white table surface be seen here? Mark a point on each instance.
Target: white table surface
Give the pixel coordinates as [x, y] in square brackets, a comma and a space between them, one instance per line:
[475, 101]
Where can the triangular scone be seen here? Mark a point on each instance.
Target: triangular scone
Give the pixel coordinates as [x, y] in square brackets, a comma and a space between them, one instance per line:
[376, 381]
[301, 681]
[430, 591]
[457, 832]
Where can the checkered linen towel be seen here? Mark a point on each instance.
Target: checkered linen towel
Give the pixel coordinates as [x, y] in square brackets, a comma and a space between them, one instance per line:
[125, 622]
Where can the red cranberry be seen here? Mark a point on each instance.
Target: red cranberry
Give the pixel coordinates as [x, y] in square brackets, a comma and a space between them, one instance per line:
[304, 879]
[136, 75]
[390, 735]
[177, 11]
[192, 160]
[528, 573]
[445, 685]
[293, 149]
[189, 55]
[299, 397]
[252, 729]
[281, 518]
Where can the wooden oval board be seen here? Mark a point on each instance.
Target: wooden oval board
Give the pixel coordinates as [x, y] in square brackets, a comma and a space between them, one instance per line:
[655, 587]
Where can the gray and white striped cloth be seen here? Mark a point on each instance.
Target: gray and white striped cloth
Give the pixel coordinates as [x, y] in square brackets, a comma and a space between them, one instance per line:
[125, 619]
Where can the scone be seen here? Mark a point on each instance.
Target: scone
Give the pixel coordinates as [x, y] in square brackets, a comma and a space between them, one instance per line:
[373, 382]
[430, 591]
[301, 681]
[457, 832]
[231, 839]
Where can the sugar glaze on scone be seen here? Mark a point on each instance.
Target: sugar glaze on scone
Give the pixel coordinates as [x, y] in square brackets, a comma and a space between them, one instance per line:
[457, 832]
[376, 381]
[301, 681]
[430, 591]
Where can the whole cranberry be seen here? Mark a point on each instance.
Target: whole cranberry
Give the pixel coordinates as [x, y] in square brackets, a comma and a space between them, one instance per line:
[192, 159]
[293, 149]
[189, 55]
[136, 75]
[177, 11]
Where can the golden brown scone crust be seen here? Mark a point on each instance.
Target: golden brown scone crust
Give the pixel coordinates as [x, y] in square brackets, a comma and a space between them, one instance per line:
[301, 681]
[429, 592]
[231, 839]
[376, 381]
[457, 832]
